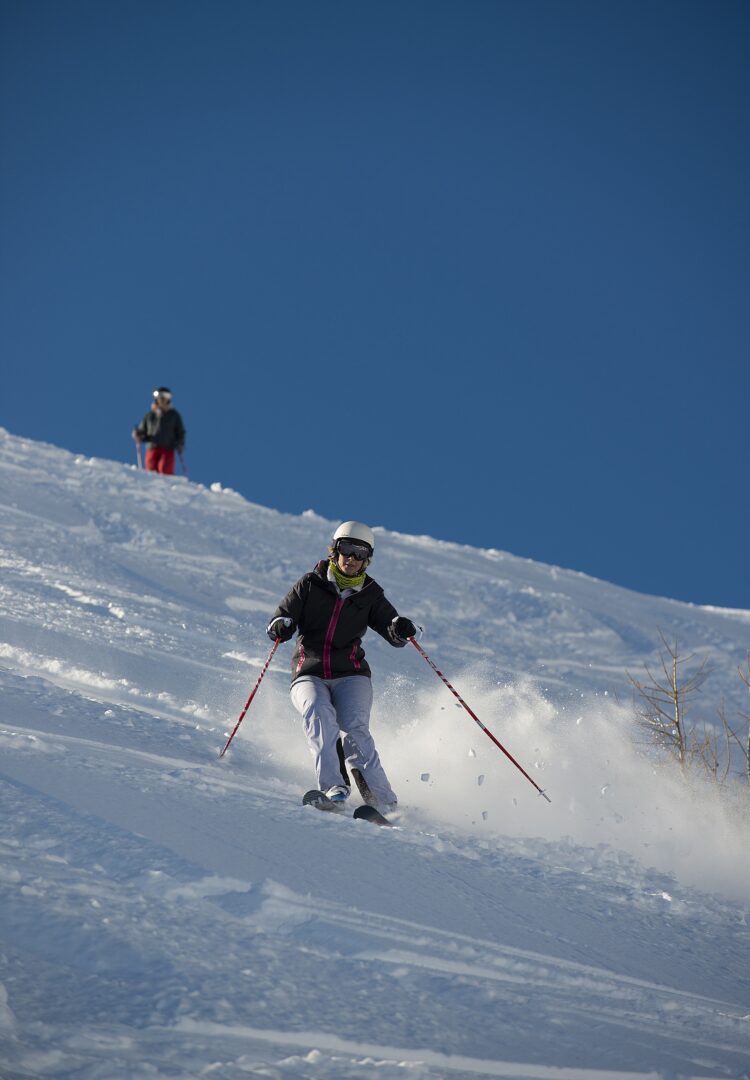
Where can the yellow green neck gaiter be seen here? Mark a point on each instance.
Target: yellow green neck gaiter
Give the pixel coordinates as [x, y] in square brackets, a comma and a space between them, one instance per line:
[345, 582]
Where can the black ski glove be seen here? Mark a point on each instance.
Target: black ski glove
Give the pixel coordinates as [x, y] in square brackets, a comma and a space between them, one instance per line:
[403, 628]
[280, 629]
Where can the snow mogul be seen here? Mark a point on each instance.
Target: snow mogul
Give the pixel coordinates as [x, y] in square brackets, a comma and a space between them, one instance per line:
[330, 609]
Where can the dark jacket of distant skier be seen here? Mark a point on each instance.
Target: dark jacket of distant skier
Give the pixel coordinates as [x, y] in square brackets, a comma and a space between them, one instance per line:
[164, 429]
[331, 628]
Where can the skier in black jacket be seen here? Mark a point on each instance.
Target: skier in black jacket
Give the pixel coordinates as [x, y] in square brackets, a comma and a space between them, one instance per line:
[163, 432]
[331, 608]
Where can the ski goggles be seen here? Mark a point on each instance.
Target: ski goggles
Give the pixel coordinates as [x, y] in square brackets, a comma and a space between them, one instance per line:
[356, 551]
[166, 398]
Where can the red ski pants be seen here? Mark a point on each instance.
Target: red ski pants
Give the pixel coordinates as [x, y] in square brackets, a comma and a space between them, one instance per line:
[159, 459]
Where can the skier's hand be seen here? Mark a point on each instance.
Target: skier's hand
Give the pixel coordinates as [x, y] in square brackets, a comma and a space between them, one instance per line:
[280, 629]
[403, 629]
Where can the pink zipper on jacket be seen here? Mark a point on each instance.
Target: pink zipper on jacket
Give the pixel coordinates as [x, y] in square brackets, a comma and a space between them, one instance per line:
[328, 645]
[353, 655]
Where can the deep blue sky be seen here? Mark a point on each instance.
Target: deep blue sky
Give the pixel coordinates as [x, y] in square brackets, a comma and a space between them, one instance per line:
[477, 270]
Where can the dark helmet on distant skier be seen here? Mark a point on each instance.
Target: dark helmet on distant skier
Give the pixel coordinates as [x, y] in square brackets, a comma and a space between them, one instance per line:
[162, 394]
[359, 538]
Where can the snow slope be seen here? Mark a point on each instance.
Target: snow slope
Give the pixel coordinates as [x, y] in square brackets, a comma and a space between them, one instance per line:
[164, 913]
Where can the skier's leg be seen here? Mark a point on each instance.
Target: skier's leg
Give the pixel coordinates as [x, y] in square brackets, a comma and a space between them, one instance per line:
[167, 463]
[311, 698]
[352, 699]
[342, 761]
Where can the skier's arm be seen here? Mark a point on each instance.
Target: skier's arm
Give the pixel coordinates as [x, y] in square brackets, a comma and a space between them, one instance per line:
[387, 622]
[179, 434]
[287, 615]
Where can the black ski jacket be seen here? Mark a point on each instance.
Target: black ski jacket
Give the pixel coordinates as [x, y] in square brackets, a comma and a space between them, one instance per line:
[164, 429]
[331, 627]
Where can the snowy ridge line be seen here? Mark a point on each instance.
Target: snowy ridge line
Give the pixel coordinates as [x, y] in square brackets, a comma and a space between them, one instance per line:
[403, 1057]
[209, 763]
[68, 677]
[732, 613]
[23, 660]
[109, 689]
[103, 747]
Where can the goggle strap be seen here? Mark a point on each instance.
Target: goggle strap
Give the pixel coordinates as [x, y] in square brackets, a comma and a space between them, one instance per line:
[359, 551]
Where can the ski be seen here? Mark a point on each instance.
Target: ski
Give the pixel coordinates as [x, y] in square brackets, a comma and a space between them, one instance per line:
[369, 813]
[320, 801]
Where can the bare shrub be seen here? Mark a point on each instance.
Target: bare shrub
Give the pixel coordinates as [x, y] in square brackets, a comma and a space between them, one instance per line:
[661, 705]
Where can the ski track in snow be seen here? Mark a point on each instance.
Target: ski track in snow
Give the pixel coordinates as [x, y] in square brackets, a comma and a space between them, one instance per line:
[165, 913]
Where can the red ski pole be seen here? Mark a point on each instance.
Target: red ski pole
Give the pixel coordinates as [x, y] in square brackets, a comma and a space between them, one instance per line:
[252, 695]
[476, 719]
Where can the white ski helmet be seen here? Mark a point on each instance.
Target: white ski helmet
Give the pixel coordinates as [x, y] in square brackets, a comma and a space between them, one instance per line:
[354, 530]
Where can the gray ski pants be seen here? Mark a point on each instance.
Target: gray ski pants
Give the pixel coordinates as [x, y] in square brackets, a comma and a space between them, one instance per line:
[333, 707]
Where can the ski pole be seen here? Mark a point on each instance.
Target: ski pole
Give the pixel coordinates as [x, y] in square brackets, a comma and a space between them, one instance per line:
[252, 695]
[138, 453]
[474, 717]
[182, 463]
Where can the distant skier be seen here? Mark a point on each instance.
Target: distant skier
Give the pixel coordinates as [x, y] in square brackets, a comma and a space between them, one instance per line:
[331, 608]
[162, 432]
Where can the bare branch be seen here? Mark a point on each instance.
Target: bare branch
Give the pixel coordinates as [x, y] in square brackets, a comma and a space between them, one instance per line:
[664, 701]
